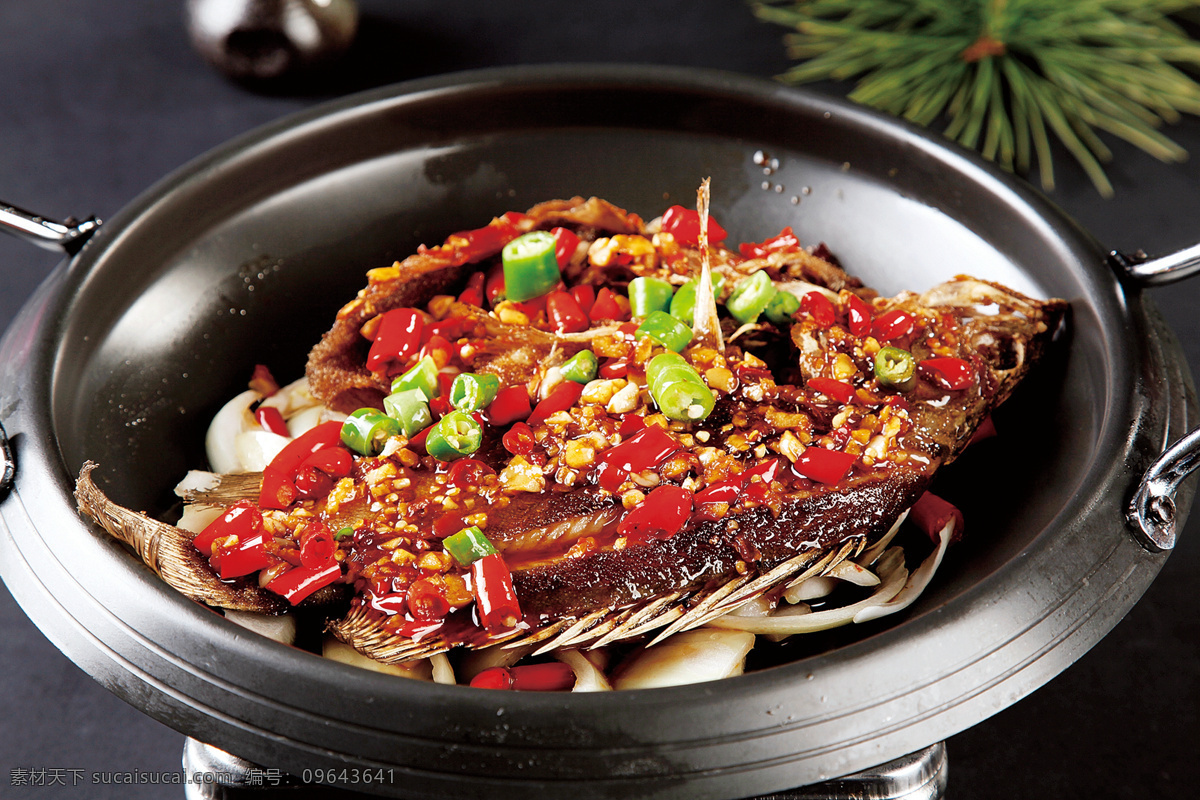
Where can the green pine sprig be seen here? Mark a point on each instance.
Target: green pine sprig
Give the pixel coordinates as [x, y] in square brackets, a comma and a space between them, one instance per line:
[1005, 75]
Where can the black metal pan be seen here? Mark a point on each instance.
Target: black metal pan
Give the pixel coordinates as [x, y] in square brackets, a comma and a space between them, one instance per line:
[243, 256]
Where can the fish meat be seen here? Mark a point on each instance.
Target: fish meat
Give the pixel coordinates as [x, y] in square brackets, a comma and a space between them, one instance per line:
[594, 475]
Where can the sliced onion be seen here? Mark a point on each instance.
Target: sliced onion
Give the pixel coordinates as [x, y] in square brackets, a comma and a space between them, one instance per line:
[810, 589]
[220, 441]
[852, 573]
[293, 398]
[588, 678]
[703, 654]
[255, 449]
[196, 517]
[340, 651]
[281, 628]
[441, 670]
[893, 574]
[916, 583]
[872, 553]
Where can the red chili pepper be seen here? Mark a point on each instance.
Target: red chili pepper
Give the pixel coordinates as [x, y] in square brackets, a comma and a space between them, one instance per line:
[468, 472]
[684, 225]
[310, 482]
[519, 440]
[278, 486]
[418, 441]
[427, 601]
[949, 373]
[825, 466]
[246, 558]
[631, 424]
[565, 244]
[493, 287]
[389, 604]
[784, 240]
[553, 676]
[893, 325]
[585, 295]
[565, 314]
[561, 398]
[647, 448]
[660, 516]
[510, 404]
[397, 339]
[820, 308]
[858, 315]
[614, 368]
[838, 390]
[472, 295]
[495, 599]
[986, 430]
[767, 471]
[726, 491]
[336, 462]
[271, 420]
[278, 489]
[448, 524]
[479, 243]
[605, 307]
[535, 305]
[931, 513]
[241, 519]
[493, 678]
[317, 545]
[299, 582]
[450, 328]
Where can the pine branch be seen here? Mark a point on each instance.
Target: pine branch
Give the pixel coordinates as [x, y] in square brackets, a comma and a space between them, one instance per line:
[1001, 75]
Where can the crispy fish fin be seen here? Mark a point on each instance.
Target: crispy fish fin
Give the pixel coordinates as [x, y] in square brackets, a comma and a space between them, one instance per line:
[169, 552]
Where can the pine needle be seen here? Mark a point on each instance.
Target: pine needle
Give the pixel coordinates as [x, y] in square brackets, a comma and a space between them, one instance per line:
[1002, 75]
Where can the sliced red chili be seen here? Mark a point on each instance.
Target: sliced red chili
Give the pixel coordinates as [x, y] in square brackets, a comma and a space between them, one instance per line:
[262, 381]
[561, 398]
[450, 328]
[565, 314]
[495, 599]
[472, 295]
[858, 315]
[614, 368]
[684, 225]
[311, 483]
[317, 545]
[299, 582]
[278, 490]
[327, 434]
[949, 373]
[819, 307]
[418, 441]
[468, 472]
[894, 324]
[246, 558]
[519, 440]
[838, 390]
[825, 466]
[510, 404]
[336, 462]
[241, 519]
[647, 448]
[931, 513]
[271, 420]
[553, 676]
[426, 601]
[397, 339]
[725, 491]
[585, 295]
[784, 240]
[493, 678]
[660, 516]
[493, 287]
[565, 245]
[605, 307]
[631, 424]
[389, 604]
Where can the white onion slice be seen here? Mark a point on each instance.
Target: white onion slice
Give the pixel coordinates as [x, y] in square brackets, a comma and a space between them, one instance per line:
[281, 628]
[810, 589]
[703, 654]
[255, 449]
[442, 671]
[292, 398]
[852, 573]
[197, 517]
[340, 651]
[872, 553]
[587, 677]
[916, 583]
[220, 441]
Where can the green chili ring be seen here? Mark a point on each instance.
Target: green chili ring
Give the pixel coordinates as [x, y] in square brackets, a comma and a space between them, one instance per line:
[896, 368]
[454, 436]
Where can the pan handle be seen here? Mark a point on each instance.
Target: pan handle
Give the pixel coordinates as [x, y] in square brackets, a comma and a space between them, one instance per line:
[1151, 512]
[1159, 270]
[8, 466]
[69, 235]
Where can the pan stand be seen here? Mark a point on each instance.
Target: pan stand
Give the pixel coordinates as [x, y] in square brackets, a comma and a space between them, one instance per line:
[217, 775]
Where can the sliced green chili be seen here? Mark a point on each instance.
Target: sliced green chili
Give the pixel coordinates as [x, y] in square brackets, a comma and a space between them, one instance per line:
[678, 389]
[411, 409]
[581, 367]
[530, 268]
[895, 367]
[666, 330]
[683, 304]
[472, 392]
[468, 546]
[781, 307]
[366, 430]
[423, 375]
[344, 533]
[751, 297]
[454, 436]
[647, 295]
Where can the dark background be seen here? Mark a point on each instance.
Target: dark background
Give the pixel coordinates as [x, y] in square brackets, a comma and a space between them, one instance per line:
[99, 99]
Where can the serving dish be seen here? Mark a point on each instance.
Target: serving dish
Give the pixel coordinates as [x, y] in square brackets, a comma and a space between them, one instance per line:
[129, 346]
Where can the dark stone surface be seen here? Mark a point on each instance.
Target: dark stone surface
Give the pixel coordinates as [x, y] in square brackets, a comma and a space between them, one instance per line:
[100, 99]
